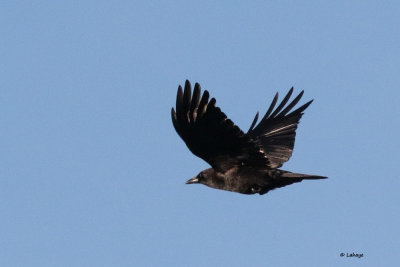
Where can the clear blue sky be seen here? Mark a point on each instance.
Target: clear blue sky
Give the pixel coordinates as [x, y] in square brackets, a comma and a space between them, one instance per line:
[92, 172]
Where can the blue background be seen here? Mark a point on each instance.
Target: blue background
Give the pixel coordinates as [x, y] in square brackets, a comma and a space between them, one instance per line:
[92, 172]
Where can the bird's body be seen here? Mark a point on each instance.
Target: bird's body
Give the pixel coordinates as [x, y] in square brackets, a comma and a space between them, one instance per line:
[249, 180]
[246, 163]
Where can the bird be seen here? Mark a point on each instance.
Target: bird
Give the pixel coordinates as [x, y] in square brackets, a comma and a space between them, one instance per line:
[246, 163]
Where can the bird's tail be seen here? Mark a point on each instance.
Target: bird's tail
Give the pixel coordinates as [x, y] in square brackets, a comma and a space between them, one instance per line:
[286, 178]
[302, 176]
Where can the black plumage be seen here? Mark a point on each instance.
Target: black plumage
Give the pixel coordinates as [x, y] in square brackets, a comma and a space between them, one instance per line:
[241, 162]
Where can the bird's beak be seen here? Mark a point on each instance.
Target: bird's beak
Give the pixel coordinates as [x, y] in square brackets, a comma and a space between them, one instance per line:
[194, 180]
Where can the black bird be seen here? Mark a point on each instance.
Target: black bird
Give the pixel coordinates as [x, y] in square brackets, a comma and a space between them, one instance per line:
[241, 162]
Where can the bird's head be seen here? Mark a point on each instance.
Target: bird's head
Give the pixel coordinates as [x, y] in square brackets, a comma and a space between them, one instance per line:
[204, 177]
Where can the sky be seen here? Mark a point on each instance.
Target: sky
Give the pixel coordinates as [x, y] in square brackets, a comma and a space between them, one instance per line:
[92, 172]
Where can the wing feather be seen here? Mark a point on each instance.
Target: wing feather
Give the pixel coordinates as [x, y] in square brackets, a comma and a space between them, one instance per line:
[210, 135]
[276, 132]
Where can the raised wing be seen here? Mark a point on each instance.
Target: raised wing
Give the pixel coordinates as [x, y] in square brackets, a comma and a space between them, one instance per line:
[276, 132]
[210, 135]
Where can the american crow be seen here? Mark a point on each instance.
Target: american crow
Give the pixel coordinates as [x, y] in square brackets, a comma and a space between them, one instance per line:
[243, 163]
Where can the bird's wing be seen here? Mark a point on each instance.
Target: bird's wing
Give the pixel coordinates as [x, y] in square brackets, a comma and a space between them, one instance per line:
[276, 131]
[210, 135]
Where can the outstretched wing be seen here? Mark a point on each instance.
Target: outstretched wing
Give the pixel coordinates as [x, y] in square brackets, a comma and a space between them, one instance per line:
[276, 131]
[210, 135]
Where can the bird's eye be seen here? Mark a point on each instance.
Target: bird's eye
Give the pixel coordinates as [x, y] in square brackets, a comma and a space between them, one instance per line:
[200, 176]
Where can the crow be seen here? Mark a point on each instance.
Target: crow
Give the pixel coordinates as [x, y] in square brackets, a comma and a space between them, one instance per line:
[246, 163]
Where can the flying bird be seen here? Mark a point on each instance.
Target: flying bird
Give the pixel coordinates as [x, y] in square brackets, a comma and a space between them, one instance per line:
[246, 163]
